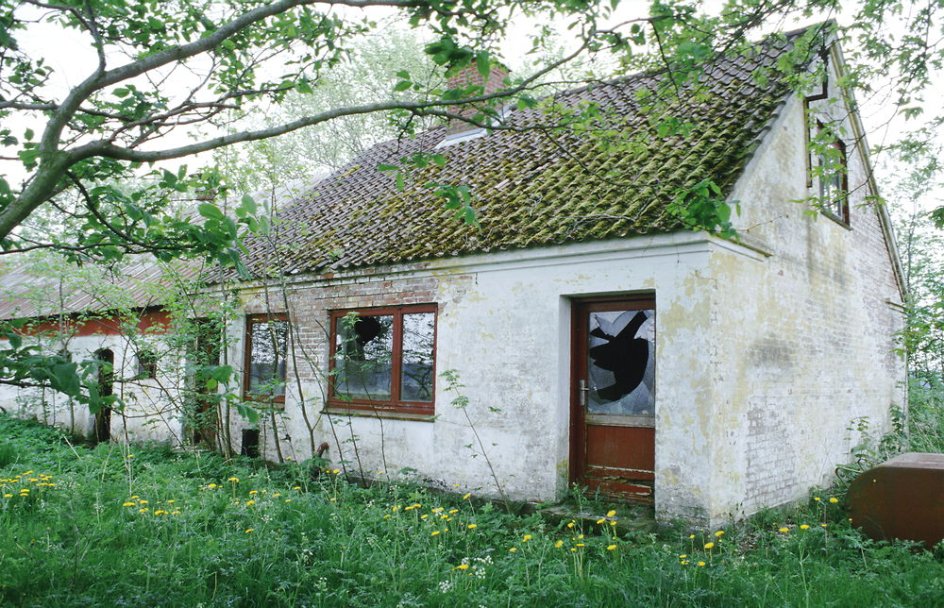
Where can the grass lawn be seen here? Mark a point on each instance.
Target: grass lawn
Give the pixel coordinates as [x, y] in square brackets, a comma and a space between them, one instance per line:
[104, 527]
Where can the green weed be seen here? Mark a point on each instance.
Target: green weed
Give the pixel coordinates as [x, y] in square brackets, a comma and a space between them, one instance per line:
[104, 526]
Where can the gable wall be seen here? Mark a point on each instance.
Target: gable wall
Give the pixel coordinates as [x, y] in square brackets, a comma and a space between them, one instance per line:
[804, 339]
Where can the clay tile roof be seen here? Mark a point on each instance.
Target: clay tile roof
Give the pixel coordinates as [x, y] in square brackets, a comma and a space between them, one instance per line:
[535, 187]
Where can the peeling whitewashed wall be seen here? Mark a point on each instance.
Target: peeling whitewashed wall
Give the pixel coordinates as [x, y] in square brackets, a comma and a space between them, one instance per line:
[803, 340]
[504, 324]
[151, 405]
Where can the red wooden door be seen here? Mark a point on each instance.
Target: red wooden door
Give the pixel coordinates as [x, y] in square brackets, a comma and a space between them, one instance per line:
[613, 397]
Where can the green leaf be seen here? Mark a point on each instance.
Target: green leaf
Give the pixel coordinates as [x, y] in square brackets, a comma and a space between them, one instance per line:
[483, 64]
[210, 211]
[402, 86]
[249, 204]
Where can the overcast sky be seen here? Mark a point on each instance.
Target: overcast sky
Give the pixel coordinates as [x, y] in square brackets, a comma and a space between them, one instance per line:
[72, 57]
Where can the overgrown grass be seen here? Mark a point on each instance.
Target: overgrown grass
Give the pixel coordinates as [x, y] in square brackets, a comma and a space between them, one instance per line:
[101, 527]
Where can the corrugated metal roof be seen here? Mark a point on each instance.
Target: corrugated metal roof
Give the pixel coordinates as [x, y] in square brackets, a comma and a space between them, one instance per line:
[44, 285]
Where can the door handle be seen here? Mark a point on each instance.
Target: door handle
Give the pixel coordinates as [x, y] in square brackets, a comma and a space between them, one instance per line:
[582, 390]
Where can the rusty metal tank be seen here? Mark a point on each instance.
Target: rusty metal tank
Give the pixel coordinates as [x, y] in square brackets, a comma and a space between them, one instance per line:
[902, 498]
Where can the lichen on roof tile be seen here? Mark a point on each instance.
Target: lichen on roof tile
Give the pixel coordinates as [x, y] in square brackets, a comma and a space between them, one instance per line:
[536, 187]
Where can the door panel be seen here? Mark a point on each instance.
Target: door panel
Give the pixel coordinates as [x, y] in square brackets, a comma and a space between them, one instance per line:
[613, 397]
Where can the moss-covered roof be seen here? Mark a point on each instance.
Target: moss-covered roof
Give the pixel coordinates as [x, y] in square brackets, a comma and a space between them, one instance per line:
[536, 187]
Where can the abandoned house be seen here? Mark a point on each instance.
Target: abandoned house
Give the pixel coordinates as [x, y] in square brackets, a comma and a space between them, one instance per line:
[580, 332]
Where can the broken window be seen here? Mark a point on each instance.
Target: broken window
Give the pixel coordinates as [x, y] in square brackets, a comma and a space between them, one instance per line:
[621, 362]
[384, 358]
[266, 351]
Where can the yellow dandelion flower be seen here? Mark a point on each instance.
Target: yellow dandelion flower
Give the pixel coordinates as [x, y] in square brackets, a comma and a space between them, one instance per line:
[8, 495]
[580, 545]
[784, 530]
[453, 511]
[249, 530]
[601, 521]
[175, 512]
[434, 533]
[135, 497]
[144, 510]
[212, 486]
[129, 504]
[462, 567]
[424, 516]
[571, 524]
[250, 503]
[833, 500]
[170, 502]
[288, 500]
[719, 533]
[526, 538]
[613, 523]
[804, 527]
[513, 550]
[824, 525]
[297, 488]
[817, 498]
[233, 479]
[336, 471]
[276, 494]
[691, 537]
[559, 544]
[683, 555]
[472, 526]
[573, 550]
[142, 502]
[436, 511]
[160, 512]
[611, 548]
[466, 496]
[701, 564]
[611, 513]
[709, 546]
[580, 537]
[253, 492]
[684, 562]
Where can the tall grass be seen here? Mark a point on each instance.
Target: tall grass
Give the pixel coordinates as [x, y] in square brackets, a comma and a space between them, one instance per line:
[104, 527]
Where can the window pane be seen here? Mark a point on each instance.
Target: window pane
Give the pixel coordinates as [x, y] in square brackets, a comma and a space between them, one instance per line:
[363, 357]
[416, 371]
[269, 344]
[621, 362]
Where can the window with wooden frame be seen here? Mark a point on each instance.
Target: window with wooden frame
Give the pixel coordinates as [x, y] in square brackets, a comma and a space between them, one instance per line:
[384, 359]
[266, 348]
[832, 176]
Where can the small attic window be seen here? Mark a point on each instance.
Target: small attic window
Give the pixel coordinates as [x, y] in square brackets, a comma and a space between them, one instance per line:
[832, 176]
[456, 134]
[455, 138]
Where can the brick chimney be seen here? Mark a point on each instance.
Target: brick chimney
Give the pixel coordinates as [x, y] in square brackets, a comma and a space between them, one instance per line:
[469, 75]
